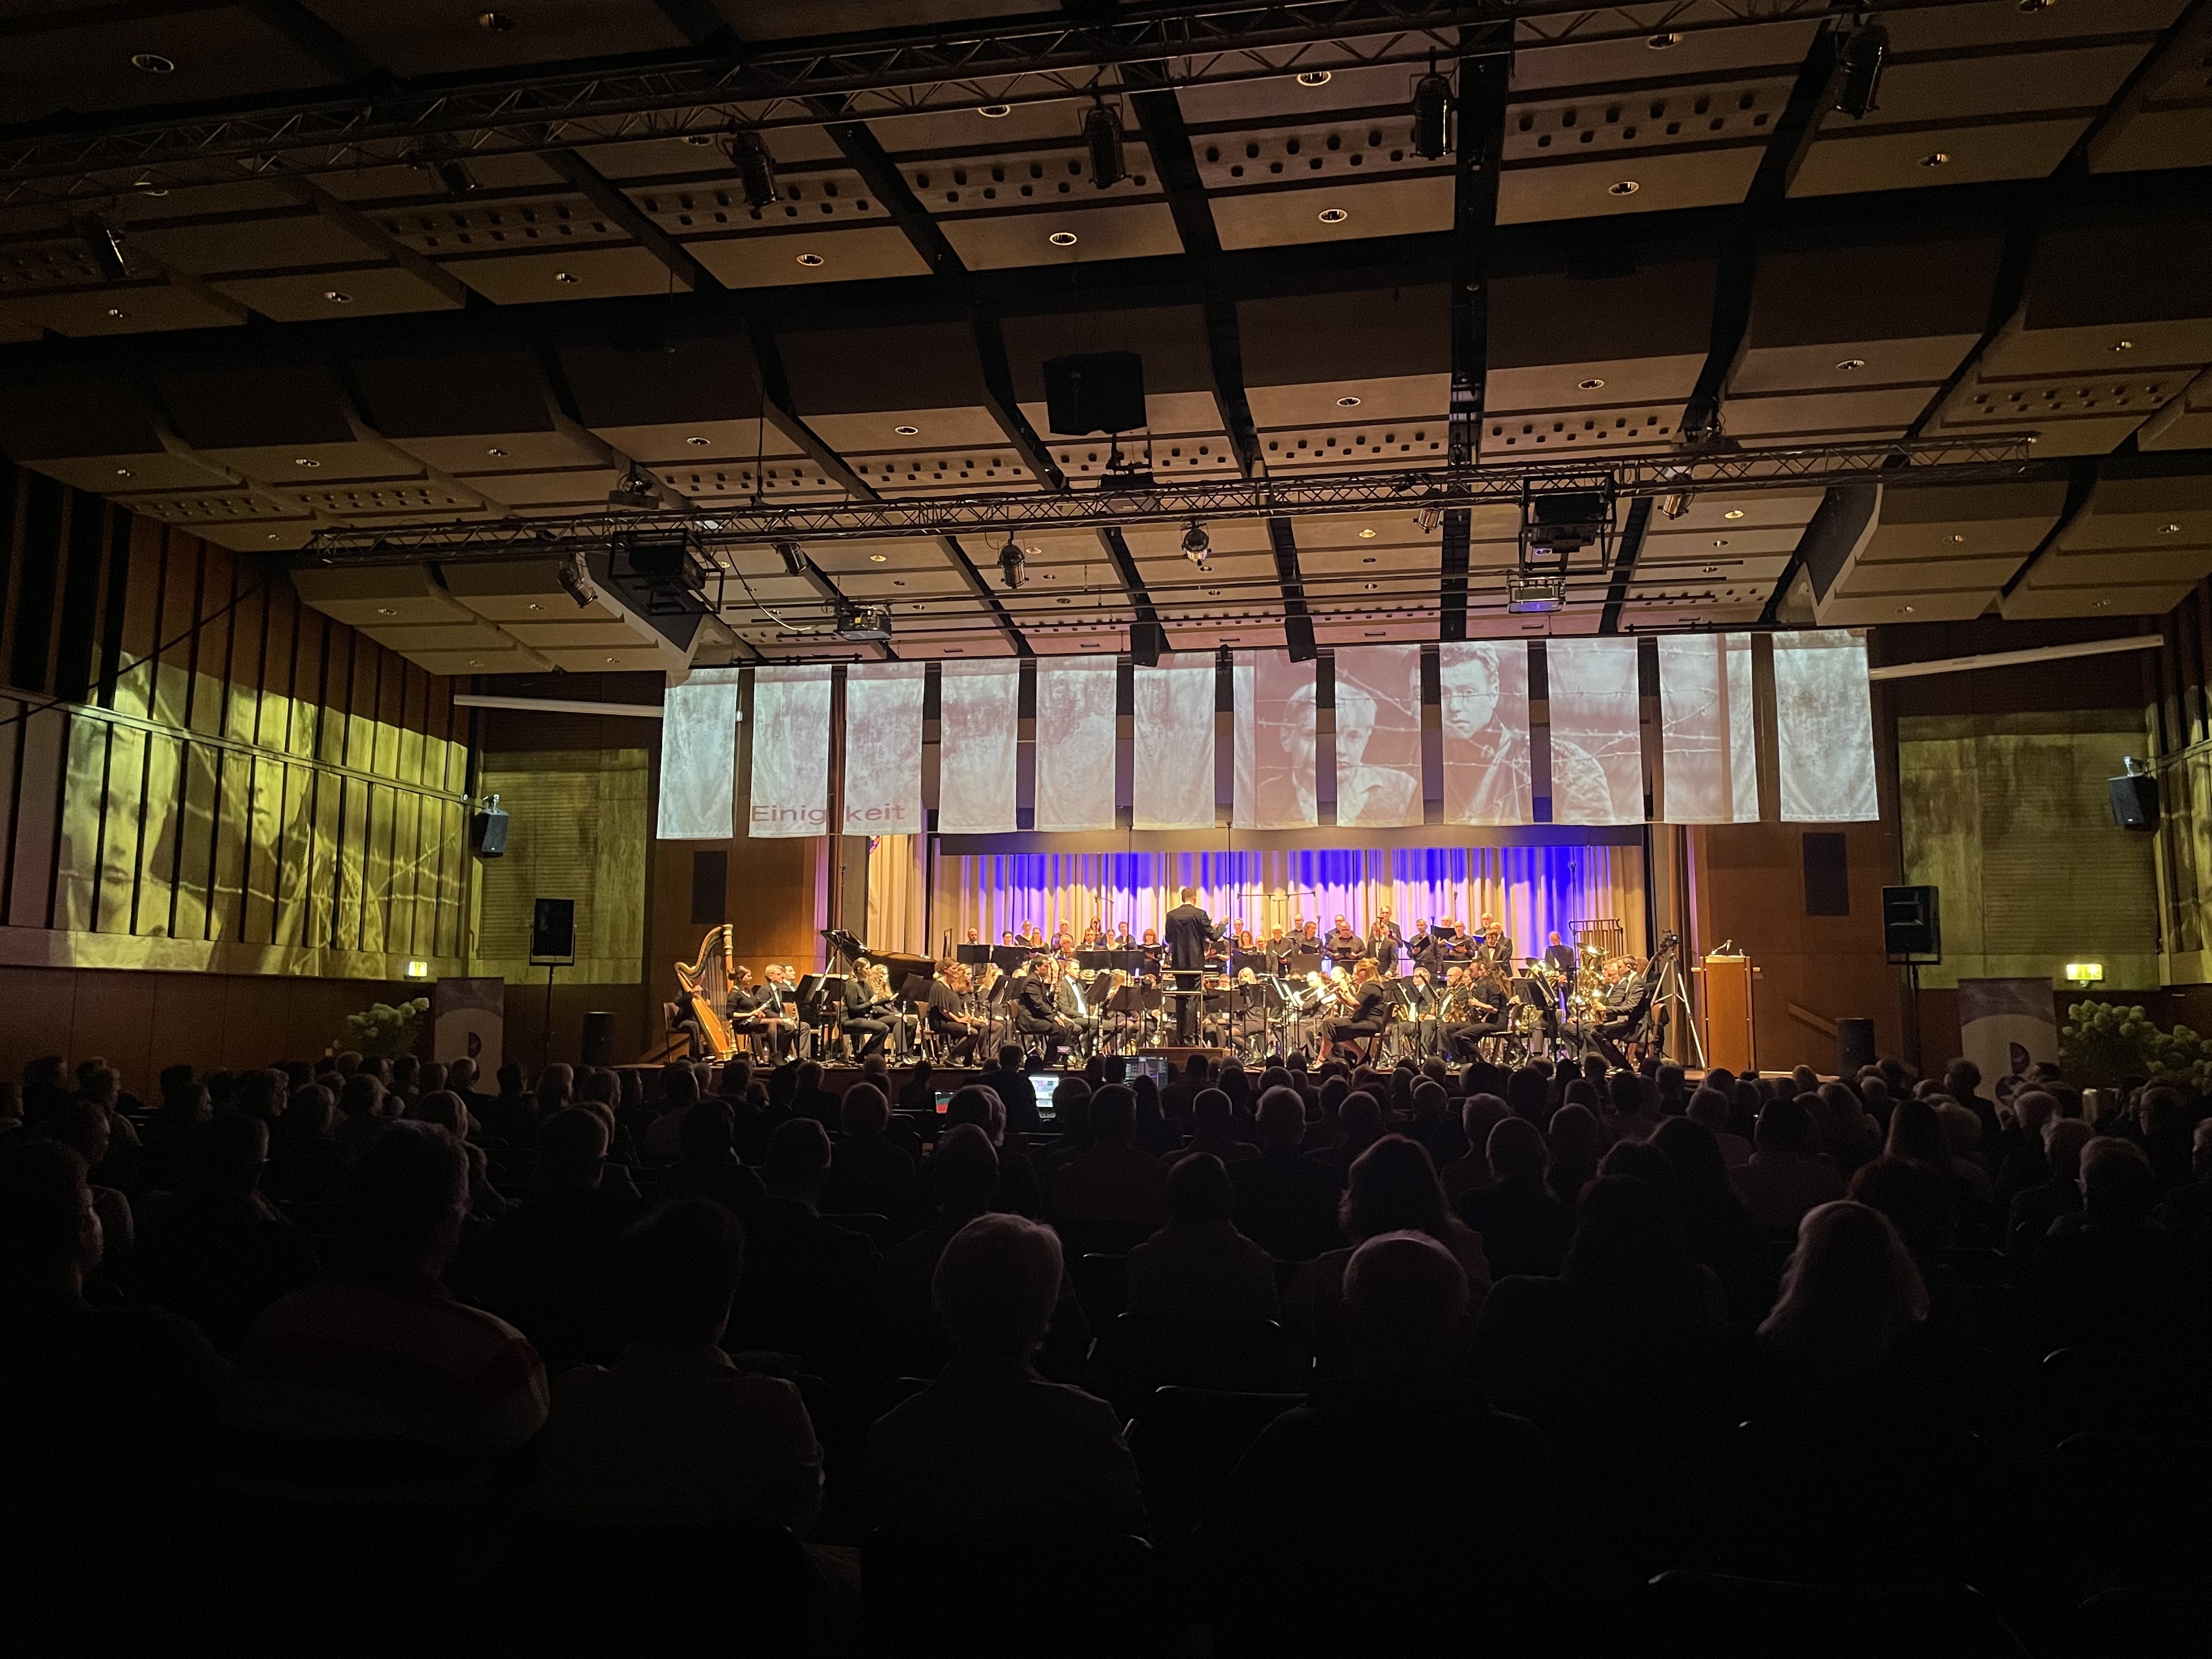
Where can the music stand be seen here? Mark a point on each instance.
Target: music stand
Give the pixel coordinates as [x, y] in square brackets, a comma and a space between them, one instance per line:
[818, 993]
[974, 955]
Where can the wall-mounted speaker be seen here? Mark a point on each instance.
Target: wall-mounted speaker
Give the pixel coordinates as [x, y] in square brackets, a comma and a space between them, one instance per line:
[553, 932]
[1299, 635]
[1911, 923]
[1088, 391]
[1147, 640]
[2134, 798]
[488, 829]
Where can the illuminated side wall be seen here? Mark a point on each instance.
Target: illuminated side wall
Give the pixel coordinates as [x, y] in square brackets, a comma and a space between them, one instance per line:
[203, 779]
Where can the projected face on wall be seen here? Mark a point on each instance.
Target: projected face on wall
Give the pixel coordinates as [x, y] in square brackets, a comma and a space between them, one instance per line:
[1378, 738]
[1485, 731]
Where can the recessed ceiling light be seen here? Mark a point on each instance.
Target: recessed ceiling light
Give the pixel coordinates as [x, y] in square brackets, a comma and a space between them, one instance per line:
[534, 605]
[1720, 541]
[1062, 239]
[1063, 601]
[810, 261]
[1852, 365]
[879, 558]
[338, 296]
[699, 140]
[697, 443]
[274, 537]
[495, 452]
[1367, 535]
[152, 63]
[1347, 403]
[305, 461]
[146, 186]
[2124, 345]
[386, 610]
[1590, 385]
[898, 581]
[1905, 611]
[1660, 42]
[122, 471]
[1314, 78]
[565, 277]
[907, 431]
[2101, 604]
[995, 111]
[1212, 592]
[1733, 513]
[1935, 158]
[496, 22]
[2169, 530]
[117, 311]
[1332, 215]
[1626, 188]
[1370, 559]
[1958, 538]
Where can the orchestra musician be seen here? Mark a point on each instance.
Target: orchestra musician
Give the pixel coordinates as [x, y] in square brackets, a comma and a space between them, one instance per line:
[1467, 1017]
[1035, 1014]
[1417, 1022]
[1627, 1000]
[1072, 1005]
[1123, 940]
[1384, 943]
[1368, 1015]
[1497, 945]
[1190, 929]
[1342, 945]
[864, 1011]
[952, 1018]
[773, 1012]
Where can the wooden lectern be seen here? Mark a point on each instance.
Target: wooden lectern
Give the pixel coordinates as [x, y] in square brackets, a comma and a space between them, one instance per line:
[1729, 1030]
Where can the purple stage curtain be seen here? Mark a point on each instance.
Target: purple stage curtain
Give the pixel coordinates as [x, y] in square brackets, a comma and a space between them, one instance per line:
[882, 748]
[1275, 741]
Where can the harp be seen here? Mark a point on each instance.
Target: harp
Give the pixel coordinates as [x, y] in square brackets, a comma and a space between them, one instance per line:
[706, 985]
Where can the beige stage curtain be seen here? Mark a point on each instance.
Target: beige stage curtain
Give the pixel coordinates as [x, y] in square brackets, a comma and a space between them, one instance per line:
[896, 894]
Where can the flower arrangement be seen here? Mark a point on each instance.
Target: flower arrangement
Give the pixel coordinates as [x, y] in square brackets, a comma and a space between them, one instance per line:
[385, 1031]
[2123, 1042]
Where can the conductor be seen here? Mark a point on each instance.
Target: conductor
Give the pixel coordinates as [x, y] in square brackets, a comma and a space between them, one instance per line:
[1189, 930]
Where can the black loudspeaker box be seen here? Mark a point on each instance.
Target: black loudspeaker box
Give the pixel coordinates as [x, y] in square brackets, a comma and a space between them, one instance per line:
[1146, 641]
[598, 1039]
[488, 829]
[1911, 922]
[2135, 800]
[1299, 635]
[553, 932]
[1094, 392]
[1854, 1046]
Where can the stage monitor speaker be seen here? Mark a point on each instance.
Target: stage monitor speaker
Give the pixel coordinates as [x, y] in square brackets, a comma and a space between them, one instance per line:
[553, 932]
[1911, 923]
[1854, 1047]
[598, 1039]
[1090, 391]
[1147, 640]
[1299, 635]
[2135, 800]
[488, 829]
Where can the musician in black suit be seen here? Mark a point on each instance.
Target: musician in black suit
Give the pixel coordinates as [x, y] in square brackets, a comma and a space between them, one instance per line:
[772, 1012]
[1496, 943]
[1624, 1008]
[1369, 1014]
[1559, 956]
[860, 1016]
[1072, 1003]
[1384, 943]
[1034, 1013]
[1190, 929]
[1413, 1020]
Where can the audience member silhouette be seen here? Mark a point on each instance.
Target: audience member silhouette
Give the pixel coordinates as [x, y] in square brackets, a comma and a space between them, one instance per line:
[1524, 1228]
[1286, 1199]
[868, 1176]
[810, 1289]
[1198, 1267]
[1783, 1180]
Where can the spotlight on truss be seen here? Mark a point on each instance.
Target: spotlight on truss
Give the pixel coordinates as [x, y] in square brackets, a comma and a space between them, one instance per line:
[1012, 563]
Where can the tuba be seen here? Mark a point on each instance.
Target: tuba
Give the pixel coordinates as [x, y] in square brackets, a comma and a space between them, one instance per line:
[706, 985]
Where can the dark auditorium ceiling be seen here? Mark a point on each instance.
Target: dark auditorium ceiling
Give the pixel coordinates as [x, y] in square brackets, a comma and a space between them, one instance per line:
[385, 263]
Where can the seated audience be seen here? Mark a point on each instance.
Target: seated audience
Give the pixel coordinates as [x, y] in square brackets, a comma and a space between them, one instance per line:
[990, 1447]
[1850, 1298]
[1575, 1148]
[1007, 1080]
[2059, 1192]
[1198, 1267]
[1784, 1181]
[1524, 1228]
[1713, 1109]
[811, 1288]
[964, 1173]
[1116, 1186]
[1213, 1127]
[674, 1434]
[707, 1165]
[868, 1176]
[306, 1164]
[380, 1352]
[2111, 1277]
[1373, 1518]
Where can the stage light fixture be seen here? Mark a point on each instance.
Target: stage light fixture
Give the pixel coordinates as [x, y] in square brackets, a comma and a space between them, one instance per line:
[1013, 565]
[1863, 56]
[455, 176]
[1534, 596]
[1102, 137]
[633, 495]
[1676, 505]
[865, 623]
[575, 580]
[105, 243]
[1196, 543]
[1433, 104]
[755, 168]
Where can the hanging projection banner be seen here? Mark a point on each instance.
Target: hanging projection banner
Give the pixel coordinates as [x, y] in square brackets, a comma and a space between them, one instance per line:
[979, 717]
[882, 748]
[1275, 738]
[790, 752]
[1378, 737]
[1708, 773]
[1824, 728]
[1172, 786]
[1597, 745]
[699, 757]
[1483, 686]
[1074, 744]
